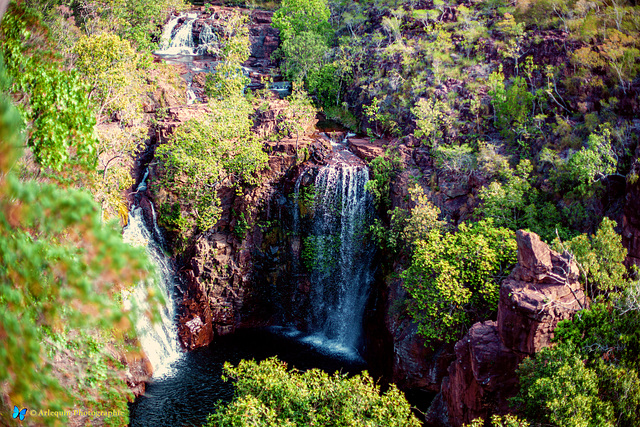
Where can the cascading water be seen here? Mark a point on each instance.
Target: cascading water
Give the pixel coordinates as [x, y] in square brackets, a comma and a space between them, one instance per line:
[207, 36]
[339, 255]
[159, 340]
[182, 40]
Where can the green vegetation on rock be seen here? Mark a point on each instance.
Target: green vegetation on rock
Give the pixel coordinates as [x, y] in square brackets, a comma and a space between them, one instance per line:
[267, 394]
[204, 155]
[454, 278]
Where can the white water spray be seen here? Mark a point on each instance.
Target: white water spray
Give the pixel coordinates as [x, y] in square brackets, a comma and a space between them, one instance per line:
[159, 340]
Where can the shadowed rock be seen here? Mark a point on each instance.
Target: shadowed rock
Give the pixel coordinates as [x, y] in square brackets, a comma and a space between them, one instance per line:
[542, 290]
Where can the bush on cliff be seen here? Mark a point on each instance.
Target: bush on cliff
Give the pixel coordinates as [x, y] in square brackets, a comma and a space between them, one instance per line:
[454, 278]
[203, 155]
[267, 394]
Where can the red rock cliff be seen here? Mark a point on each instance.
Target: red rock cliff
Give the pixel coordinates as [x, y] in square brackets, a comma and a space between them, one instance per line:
[542, 290]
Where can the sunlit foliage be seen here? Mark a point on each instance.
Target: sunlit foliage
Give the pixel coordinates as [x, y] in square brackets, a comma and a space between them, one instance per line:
[53, 102]
[61, 268]
[267, 394]
[454, 278]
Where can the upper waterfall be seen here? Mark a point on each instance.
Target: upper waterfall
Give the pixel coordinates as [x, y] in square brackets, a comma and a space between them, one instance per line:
[186, 34]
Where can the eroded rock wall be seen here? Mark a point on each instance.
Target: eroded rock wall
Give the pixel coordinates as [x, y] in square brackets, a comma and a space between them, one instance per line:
[542, 290]
[631, 217]
[236, 273]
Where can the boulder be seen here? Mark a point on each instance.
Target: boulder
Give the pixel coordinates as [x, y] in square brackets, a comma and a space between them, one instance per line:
[541, 291]
[365, 149]
[482, 372]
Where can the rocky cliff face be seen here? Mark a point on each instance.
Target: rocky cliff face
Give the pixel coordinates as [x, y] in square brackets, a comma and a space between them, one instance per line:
[414, 366]
[234, 273]
[541, 291]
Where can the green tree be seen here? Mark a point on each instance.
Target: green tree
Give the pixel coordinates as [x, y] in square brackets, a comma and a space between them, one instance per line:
[512, 105]
[558, 388]
[267, 394]
[60, 265]
[204, 155]
[601, 259]
[303, 55]
[110, 67]
[454, 278]
[592, 163]
[513, 202]
[306, 33]
[53, 102]
[384, 170]
[407, 228]
[500, 421]
[433, 117]
[297, 16]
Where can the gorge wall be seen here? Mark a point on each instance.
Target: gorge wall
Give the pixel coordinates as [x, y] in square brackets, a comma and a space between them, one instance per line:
[542, 290]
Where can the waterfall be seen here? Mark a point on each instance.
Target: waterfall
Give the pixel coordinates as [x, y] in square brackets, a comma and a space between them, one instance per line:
[159, 340]
[165, 39]
[191, 95]
[339, 253]
[181, 41]
[207, 36]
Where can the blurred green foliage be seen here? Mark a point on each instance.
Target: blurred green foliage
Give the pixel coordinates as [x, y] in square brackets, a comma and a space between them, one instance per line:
[62, 267]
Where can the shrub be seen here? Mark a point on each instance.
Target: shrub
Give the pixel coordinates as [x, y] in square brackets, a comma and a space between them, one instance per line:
[53, 100]
[432, 118]
[203, 154]
[457, 160]
[267, 394]
[558, 388]
[454, 278]
[383, 171]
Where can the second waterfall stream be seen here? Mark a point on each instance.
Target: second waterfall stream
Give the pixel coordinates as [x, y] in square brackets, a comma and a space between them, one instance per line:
[159, 340]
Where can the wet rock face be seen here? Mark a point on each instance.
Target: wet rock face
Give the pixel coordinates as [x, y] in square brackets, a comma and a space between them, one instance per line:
[542, 290]
[229, 272]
